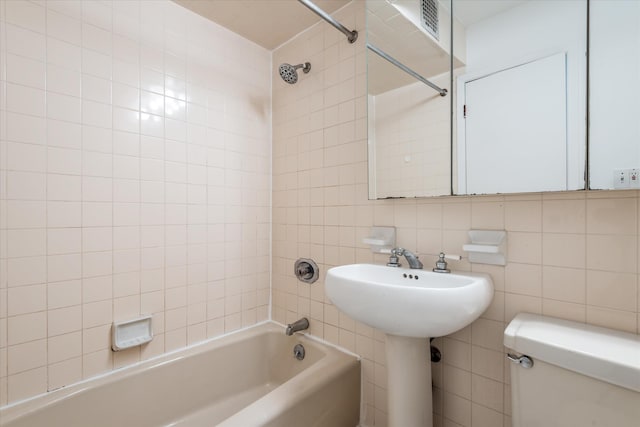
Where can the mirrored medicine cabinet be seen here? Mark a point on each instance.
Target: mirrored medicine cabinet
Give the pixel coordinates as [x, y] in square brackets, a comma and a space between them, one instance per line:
[513, 118]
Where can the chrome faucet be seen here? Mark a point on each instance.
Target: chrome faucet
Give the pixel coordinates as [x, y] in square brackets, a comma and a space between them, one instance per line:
[298, 325]
[412, 258]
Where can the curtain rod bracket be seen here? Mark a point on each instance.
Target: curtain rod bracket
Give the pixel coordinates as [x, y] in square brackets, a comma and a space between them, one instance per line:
[352, 36]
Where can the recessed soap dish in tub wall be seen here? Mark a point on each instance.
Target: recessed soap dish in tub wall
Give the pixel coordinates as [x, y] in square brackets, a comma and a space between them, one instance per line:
[131, 333]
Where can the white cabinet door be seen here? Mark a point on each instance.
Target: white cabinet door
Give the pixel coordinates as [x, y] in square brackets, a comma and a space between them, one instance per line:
[516, 129]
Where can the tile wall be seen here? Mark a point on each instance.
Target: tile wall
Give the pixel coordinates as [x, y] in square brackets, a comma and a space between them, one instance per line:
[571, 255]
[135, 178]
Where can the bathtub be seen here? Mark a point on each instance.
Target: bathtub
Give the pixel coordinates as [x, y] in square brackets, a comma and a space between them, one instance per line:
[248, 378]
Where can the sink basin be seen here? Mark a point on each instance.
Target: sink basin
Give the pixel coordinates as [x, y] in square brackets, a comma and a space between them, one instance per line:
[406, 302]
[409, 306]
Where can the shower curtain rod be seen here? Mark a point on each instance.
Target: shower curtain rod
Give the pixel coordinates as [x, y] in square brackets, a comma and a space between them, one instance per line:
[380, 53]
[352, 36]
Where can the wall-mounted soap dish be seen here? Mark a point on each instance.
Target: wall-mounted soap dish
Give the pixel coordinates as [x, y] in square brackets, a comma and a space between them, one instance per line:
[487, 247]
[381, 239]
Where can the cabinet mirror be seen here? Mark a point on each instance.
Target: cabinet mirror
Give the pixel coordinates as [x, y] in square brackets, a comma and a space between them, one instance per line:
[409, 107]
[520, 102]
[514, 113]
[614, 86]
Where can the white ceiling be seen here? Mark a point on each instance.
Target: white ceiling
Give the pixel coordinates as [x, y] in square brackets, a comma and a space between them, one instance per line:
[471, 11]
[268, 23]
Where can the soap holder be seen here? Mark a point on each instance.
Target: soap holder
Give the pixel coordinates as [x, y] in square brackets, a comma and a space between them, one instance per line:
[381, 239]
[487, 247]
[131, 333]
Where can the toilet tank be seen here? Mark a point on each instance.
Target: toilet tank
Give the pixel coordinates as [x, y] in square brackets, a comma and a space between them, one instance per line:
[582, 375]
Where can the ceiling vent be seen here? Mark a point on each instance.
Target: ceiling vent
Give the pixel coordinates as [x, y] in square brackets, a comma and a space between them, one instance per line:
[429, 15]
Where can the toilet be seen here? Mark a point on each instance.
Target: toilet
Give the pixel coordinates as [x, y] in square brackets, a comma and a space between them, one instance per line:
[568, 374]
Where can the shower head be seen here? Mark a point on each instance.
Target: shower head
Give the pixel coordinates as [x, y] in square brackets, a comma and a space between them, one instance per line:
[289, 74]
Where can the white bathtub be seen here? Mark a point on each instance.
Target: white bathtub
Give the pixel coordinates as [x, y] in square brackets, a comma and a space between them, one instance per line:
[249, 378]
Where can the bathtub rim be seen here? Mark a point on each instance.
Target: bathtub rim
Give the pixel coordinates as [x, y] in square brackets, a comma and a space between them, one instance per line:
[24, 407]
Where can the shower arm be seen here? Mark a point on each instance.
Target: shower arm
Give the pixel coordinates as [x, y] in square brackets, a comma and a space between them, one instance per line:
[383, 55]
[352, 36]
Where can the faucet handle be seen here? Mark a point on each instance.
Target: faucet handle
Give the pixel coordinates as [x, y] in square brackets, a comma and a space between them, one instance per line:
[394, 260]
[441, 264]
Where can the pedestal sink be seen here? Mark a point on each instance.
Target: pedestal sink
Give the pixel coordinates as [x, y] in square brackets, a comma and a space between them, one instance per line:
[410, 306]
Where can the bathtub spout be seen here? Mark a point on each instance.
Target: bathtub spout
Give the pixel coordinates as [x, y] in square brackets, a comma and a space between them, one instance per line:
[298, 325]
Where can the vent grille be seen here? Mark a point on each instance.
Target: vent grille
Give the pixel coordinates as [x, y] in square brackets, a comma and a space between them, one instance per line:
[429, 15]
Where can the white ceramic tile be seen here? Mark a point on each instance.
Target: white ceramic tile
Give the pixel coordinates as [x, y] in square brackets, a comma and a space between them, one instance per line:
[98, 14]
[64, 107]
[125, 48]
[64, 347]
[26, 185]
[64, 161]
[97, 189]
[25, 71]
[26, 299]
[126, 96]
[97, 264]
[63, 267]
[64, 214]
[126, 143]
[97, 214]
[24, 128]
[26, 214]
[63, 294]
[63, 80]
[30, 355]
[126, 73]
[26, 327]
[96, 89]
[63, 27]
[96, 114]
[25, 42]
[28, 15]
[96, 63]
[96, 39]
[25, 100]
[126, 190]
[151, 125]
[64, 187]
[96, 239]
[97, 139]
[127, 167]
[63, 241]
[97, 164]
[126, 120]
[64, 134]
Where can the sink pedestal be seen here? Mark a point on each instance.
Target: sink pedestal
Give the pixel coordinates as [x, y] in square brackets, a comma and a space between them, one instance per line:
[409, 393]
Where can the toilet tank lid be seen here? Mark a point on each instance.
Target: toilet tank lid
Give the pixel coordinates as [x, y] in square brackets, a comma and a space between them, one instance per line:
[605, 354]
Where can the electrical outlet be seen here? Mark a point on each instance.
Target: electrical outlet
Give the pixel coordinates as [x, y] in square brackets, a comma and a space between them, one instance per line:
[634, 178]
[621, 178]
